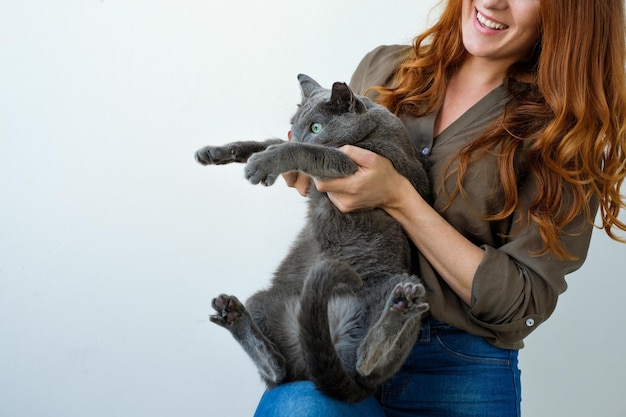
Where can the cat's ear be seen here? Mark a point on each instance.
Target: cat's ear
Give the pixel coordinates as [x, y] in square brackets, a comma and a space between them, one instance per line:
[308, 85]
[343, 99]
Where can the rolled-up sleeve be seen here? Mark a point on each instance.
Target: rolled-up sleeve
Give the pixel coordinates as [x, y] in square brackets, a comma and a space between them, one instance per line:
[515, 289]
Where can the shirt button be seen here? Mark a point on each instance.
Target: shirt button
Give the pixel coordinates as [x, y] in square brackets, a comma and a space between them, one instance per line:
[425, 150]
[530, 322]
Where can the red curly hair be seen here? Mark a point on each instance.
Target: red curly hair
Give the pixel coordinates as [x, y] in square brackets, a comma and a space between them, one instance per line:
[571, 120]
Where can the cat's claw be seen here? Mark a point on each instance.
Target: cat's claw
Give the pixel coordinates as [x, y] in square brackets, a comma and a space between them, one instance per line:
[228, 309]
[409, 297]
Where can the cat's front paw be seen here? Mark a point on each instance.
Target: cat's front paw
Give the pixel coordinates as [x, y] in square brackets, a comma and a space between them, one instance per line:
[409, 297]
[260, 169]
[219, 155]
[228, 308]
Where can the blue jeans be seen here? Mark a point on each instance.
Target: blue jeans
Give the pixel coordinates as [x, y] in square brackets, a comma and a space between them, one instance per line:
[448, 373]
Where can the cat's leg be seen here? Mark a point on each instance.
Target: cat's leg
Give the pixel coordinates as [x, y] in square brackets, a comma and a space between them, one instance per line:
[390, 339]
[232, 152]
[345, 319]
[315, 160]
[232, 315]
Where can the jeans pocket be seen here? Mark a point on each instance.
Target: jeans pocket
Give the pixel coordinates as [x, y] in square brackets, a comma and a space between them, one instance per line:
[462, 346]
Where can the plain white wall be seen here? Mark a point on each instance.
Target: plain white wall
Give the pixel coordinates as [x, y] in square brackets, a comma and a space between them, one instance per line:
[113, 240]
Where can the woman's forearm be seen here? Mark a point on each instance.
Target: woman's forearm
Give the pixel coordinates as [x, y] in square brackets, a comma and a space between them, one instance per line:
[452, 255]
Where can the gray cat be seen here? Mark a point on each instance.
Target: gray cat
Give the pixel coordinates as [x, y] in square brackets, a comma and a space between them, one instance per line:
[342, 310]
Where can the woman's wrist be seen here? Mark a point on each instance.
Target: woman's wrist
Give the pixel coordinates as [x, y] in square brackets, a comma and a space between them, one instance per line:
[403, 199]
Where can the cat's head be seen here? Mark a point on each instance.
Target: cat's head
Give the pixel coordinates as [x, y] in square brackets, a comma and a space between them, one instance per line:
[334, 117]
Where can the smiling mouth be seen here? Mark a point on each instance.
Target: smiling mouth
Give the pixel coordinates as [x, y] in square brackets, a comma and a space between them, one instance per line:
[489, 24]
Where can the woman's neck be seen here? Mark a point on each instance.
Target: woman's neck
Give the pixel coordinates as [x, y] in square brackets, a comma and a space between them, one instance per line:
[480, 74]
[472, 81]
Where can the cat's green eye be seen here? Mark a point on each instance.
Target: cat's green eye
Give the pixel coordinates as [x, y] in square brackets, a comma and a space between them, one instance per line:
[316, 127]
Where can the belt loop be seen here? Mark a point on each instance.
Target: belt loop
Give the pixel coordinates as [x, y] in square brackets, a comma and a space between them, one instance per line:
[424, 335]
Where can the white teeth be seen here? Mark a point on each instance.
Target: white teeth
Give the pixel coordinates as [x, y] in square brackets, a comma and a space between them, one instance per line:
[488, 23]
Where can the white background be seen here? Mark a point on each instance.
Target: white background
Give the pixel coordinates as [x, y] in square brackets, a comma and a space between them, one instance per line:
[113, 240]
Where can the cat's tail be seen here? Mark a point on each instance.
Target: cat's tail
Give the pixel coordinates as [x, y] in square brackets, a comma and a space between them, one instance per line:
[325, 367]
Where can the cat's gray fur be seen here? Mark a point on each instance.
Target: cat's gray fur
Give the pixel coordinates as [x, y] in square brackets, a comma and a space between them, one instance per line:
[342, 310]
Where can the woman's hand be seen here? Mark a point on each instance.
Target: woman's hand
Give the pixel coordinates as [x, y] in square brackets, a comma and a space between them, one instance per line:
[375, 184]
[299, 181]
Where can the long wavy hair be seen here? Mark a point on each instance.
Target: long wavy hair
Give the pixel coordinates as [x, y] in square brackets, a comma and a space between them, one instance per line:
[571, 119]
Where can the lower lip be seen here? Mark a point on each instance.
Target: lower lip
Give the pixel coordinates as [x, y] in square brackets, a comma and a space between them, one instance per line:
[484, 29]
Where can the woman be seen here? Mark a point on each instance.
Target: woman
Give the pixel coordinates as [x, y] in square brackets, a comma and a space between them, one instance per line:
[518, 168]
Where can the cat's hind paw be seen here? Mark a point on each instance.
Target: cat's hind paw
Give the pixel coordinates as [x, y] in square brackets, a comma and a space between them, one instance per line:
[409, 297]
[228, 309]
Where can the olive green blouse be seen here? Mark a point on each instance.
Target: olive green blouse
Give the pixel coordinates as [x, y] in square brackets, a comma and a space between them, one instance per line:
[514, 289]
